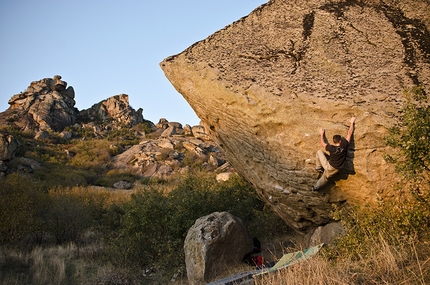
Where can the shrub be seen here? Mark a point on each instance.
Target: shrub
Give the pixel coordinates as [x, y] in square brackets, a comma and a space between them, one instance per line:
[93, 154]
[145, 127]
[74, 211]
[193, 161]
[154, 224]
[115, 175]
[124, 137]
[411, 138]
[53, 175]
[69, 216]
[22, 205]
[396, 221]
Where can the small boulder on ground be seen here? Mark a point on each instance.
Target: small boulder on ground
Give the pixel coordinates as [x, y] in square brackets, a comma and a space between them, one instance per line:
[214, 244]
[123, 184]
[325, 234]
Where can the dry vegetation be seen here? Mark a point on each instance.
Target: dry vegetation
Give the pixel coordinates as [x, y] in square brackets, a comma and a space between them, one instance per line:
[385, 264]
[55, 228]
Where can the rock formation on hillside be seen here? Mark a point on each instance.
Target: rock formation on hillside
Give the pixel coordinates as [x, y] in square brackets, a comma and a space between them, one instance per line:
[264, 85]
[47, 104]
[165, 148]
[167, 154]
[115, 109]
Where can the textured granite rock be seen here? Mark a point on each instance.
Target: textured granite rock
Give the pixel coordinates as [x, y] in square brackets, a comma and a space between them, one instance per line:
[47, 104]
[263, 86]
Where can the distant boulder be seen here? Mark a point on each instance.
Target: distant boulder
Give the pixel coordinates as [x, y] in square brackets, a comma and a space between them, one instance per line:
[115, 109]
[8, 146]
[170, 131]
[123, 184]
[47, 104]
[200, 132]
[41, 135]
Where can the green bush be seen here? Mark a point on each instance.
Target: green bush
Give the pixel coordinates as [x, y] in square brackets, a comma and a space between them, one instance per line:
[154, 224]
[86, 133]
[113, 176]
[124, 137]
[53, 175]
[23, 203]
[193, 161]
[93, 154]
[396, 221]
[74, 211]
[145, 127]
[411, 138]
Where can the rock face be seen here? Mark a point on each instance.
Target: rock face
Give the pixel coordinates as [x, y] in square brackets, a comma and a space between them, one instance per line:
[47, 104]
[115, 109]
[264, 85]
[213, 244]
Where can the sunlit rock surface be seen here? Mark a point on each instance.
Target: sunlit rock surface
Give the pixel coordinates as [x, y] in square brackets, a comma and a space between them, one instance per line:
[264, 85]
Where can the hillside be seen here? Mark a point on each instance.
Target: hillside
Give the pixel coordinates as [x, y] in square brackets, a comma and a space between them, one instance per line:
[111, 186]
[42, 126]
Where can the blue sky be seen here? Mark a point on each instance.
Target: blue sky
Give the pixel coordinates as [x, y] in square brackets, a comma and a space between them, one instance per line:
[105, 48]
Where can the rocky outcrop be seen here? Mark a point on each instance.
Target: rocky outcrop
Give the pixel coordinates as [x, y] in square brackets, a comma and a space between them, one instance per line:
[214, 244]
[47, 104]
[264, 85]
[115, 109]
[165, 156]
[8, 146]
[165, 149]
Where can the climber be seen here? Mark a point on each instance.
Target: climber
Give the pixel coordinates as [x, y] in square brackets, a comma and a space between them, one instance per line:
[338, 150]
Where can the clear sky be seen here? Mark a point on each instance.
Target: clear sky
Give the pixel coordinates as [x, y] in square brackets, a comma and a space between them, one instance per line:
[105, 47]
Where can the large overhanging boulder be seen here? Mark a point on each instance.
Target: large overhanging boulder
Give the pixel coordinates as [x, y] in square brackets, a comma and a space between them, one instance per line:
[264, 85]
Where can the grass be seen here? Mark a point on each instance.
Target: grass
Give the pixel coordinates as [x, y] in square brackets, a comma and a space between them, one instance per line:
[386, 264]
[99, 232]
[71, 264]
[63, 264]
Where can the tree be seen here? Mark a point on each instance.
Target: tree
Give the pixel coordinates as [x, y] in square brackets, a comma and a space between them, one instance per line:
[412, 137]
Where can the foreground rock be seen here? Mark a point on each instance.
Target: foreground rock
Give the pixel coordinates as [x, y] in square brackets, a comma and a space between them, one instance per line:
[214, 244]
[264, 85]
[326, 234]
